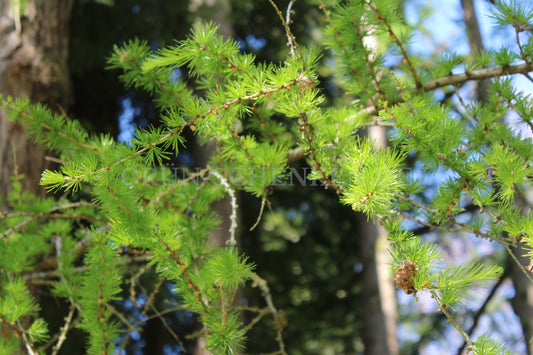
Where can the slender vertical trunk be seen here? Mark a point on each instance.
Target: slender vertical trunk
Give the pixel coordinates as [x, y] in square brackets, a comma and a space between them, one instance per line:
[202, 154]
[33, 65]
[379, 308]
[379, 295]
[523, 300]
[522, 303]
[475, 41]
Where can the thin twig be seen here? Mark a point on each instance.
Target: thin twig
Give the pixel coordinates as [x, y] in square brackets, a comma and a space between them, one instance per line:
[381, 18]
[159, 315]
[12, 106]
[196, 194]
[520, 266]
[260, 314]
[459, 79]
[26, 342]
[479, 74]
[307, 132]
[48, 214]
[263, 200]
[101, 314]
[444, 310]
[299, 153]
[52, 274]
[278, 318]
[19, 332]
[120, 316]
[191, 122]
[183, 268]
[68, 321]
[133, 281]
[289, 33]
[481, 310]
[152, 295]
[224, 315]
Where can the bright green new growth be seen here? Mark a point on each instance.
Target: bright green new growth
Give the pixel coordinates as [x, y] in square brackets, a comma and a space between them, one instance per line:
[262, 117]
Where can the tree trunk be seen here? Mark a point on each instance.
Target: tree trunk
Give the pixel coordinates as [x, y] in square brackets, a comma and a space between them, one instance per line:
[33, 65]
[220, 12]
[523, 300]
[475, 41]
[379, 296]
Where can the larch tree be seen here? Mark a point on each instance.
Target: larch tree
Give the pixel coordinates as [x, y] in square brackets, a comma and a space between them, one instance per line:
[118, 211]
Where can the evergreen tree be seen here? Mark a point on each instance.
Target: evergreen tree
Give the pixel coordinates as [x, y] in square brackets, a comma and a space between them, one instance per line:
[117, 204]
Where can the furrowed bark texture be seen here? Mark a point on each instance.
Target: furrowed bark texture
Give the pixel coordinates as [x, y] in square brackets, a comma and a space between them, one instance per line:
[33, 65]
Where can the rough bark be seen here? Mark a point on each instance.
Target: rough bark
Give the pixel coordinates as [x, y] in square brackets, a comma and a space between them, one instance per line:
[33, 65]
